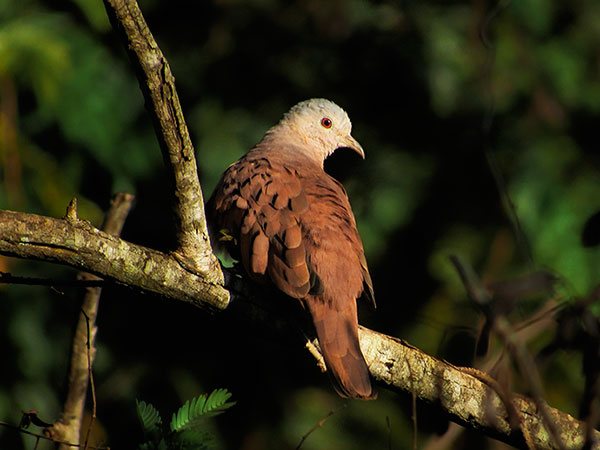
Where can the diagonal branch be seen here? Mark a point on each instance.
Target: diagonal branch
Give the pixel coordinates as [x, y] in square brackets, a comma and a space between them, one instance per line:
[466, 399]
[192, 274]
[157, 83]
[78, 244]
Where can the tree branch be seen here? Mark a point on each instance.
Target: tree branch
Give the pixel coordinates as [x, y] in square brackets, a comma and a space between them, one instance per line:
[158, 86]
[76, 243]
[192, 274]
[468, 400]
[83, 352]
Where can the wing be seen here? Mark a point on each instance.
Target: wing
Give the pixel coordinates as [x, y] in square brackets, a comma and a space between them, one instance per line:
[260, 214]
[256, 213]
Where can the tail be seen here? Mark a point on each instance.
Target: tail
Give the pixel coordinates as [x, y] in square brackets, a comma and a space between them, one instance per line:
[337, 331]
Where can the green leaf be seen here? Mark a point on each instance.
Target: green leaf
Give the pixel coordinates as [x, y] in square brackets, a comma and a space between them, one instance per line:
[189, 415]
[152, 445]
[195, 439]
[149, 417]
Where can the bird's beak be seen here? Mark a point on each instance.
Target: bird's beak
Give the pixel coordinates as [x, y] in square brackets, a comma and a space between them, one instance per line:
[352, 143]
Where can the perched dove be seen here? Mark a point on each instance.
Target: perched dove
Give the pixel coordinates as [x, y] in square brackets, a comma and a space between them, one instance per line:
[291, 225]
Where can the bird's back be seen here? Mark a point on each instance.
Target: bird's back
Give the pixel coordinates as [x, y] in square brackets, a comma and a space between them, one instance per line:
[279, 194]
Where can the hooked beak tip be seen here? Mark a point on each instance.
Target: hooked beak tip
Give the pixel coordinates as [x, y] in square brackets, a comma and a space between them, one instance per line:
[354, 145]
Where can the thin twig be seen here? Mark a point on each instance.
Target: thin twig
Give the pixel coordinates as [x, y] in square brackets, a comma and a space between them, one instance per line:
[486, 125]
[91, 378]
[68, 426]
[530, 374]
[413, 416]
[314, 351]
[525, 363]
[319, 424]
[8, 278]
[48, 438]
[389, 431]
[148, 270]
[515, 419]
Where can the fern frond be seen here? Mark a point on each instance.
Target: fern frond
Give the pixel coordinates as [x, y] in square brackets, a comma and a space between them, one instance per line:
[152, 445]
[195, 439]
[149, 417]
[216, 403]
[189, 415]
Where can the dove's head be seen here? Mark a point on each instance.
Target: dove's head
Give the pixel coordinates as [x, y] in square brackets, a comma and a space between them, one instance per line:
[322, 125]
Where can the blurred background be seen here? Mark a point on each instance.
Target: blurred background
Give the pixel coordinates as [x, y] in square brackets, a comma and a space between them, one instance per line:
[480, 124]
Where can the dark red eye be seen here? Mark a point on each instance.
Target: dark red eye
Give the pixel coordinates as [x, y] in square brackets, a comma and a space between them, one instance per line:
[326, 122]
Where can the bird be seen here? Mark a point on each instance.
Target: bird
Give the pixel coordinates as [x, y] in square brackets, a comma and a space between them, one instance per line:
[291, 226]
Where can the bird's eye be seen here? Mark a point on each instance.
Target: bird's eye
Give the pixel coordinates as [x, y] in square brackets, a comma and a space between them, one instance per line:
[326, 122]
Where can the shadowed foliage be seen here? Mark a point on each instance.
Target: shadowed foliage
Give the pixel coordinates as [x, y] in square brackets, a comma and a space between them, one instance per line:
[479, 142]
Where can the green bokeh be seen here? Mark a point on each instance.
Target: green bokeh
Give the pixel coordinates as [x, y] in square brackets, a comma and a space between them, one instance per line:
[421, 87]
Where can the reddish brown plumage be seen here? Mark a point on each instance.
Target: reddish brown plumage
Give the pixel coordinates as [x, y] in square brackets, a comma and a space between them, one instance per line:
[290, 224]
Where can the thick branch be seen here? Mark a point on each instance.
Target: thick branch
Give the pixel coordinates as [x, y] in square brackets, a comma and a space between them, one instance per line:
[468, 400]
[78, 244]
[158, 86]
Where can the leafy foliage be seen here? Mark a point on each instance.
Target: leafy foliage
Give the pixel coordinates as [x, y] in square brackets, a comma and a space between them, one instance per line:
[418, 80]
[187, 427]
[149, 417]
[189, 415]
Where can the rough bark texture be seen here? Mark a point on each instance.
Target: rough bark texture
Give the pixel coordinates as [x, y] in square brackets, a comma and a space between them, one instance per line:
[83, 352]
[157, 83]
[78, 244]
[70, 241]
[466, 399]
[393, 363]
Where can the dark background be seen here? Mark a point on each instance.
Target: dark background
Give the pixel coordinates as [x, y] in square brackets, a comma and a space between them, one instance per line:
[462, 108]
